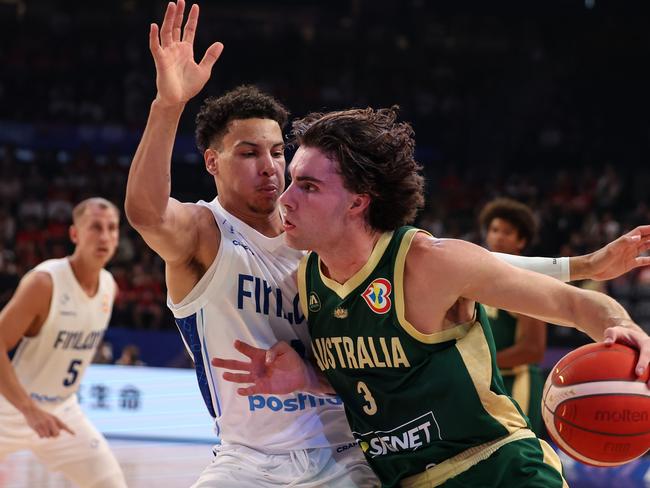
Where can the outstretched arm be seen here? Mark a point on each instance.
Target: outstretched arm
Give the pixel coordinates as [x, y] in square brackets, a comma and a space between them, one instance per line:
[439, 272]
[615, 259]
[278, 370]
[168, 226]
[23, 316]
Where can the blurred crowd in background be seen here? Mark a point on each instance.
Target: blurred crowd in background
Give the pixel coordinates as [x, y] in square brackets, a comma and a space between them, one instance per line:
[548, 106]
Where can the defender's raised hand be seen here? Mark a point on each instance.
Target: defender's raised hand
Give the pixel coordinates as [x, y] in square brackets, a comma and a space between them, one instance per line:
[178, 76]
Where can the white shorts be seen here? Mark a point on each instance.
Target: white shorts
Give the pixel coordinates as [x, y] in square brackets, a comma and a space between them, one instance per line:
[84, 458]
[237, 466]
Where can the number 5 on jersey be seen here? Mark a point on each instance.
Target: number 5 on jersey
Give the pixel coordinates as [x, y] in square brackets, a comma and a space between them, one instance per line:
[73, 372]
[371, 407]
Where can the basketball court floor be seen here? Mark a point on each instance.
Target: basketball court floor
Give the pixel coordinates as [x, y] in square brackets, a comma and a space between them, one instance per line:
[145, 465]
[177, 465]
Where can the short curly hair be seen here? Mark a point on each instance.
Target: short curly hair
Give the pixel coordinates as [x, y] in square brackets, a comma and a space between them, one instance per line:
[375, 155]
[243, 102]
[517, 214]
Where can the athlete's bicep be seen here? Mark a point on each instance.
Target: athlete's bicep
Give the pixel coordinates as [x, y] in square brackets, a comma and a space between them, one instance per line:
[178, 236]
[488, 280]
[27, 310]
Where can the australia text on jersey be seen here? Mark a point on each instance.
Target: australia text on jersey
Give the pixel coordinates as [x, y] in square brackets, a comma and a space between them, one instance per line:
[359, 352]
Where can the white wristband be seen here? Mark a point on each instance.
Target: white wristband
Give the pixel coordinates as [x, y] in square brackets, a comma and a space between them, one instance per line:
[554, 267]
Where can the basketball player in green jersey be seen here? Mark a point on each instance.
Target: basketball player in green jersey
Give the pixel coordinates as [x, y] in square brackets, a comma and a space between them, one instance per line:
[520, 341]
[393, 320]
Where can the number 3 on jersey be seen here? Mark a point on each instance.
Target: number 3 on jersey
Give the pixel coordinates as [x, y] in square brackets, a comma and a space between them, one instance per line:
[371, 407]
[73, 372]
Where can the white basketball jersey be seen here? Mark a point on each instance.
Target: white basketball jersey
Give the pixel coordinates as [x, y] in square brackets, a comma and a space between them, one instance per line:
[51, 364]
[249, 293]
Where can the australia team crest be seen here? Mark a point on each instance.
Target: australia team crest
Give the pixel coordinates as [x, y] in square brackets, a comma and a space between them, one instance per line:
[377, 295]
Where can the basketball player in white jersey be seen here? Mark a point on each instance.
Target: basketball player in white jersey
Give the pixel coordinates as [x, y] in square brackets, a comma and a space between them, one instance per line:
[229, 274]
[57, 317]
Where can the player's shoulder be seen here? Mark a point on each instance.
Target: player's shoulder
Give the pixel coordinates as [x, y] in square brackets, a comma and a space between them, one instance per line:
[201, 210]
[51, 265]
[38, 283]
[428, 252]
[424, 244]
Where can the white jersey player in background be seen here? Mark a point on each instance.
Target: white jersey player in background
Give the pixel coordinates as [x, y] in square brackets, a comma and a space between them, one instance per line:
[57, 317]
[230, 276]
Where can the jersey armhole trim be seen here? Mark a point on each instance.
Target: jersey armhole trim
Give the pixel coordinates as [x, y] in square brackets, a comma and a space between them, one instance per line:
[456, 332]
[302, 284]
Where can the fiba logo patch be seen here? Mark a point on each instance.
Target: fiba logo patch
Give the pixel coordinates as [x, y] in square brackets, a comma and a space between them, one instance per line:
[377, 295]
[314, 302]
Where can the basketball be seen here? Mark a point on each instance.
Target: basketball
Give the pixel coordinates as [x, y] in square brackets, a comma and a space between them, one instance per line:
[595, 407]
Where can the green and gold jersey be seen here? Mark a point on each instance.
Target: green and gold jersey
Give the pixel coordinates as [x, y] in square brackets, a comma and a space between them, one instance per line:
[504, 327]
[412, 400]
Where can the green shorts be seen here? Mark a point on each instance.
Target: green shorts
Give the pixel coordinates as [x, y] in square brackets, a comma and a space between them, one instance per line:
[525, 463]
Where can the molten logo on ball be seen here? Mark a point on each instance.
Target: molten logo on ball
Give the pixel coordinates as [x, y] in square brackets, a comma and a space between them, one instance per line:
[620, 416]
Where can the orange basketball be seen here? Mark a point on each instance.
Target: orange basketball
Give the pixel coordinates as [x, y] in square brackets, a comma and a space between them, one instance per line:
[595, 407]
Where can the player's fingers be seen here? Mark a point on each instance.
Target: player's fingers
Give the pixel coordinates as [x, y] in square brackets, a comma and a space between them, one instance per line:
[610, 335]
[251, 390]
[275, 350]
[239, 377]
[642, 261]
[154, 41]
[178, 21]
[632, 239]
[644, 246]
[41, 430]
[248, 350]
[190, 25]
[63, 426]
[53, 428]
[231, 364]
[211, 55]
[642, 230]
[644, 355]
[168, 22]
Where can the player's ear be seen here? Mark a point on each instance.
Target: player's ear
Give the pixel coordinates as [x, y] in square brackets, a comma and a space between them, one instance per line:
[74, 234]
[521, 244]
[360, 203]
[211, 158]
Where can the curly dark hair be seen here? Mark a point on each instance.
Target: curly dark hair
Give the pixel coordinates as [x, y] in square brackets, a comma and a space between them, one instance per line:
[375, 156]
[517, 214]
[243, 102]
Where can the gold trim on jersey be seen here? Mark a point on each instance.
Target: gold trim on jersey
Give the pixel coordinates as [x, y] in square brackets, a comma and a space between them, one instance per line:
[521, 382]
[551, 458]
[521, 387]
[449, 468]
[302, 284]
[455, 332]
[343, 290]
[475, 352]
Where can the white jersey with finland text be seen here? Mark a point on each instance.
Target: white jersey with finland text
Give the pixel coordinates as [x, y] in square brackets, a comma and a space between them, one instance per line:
[51, 364]
[249, 293]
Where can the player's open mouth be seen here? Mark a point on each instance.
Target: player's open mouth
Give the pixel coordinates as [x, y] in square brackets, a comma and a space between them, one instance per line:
[287, 225]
